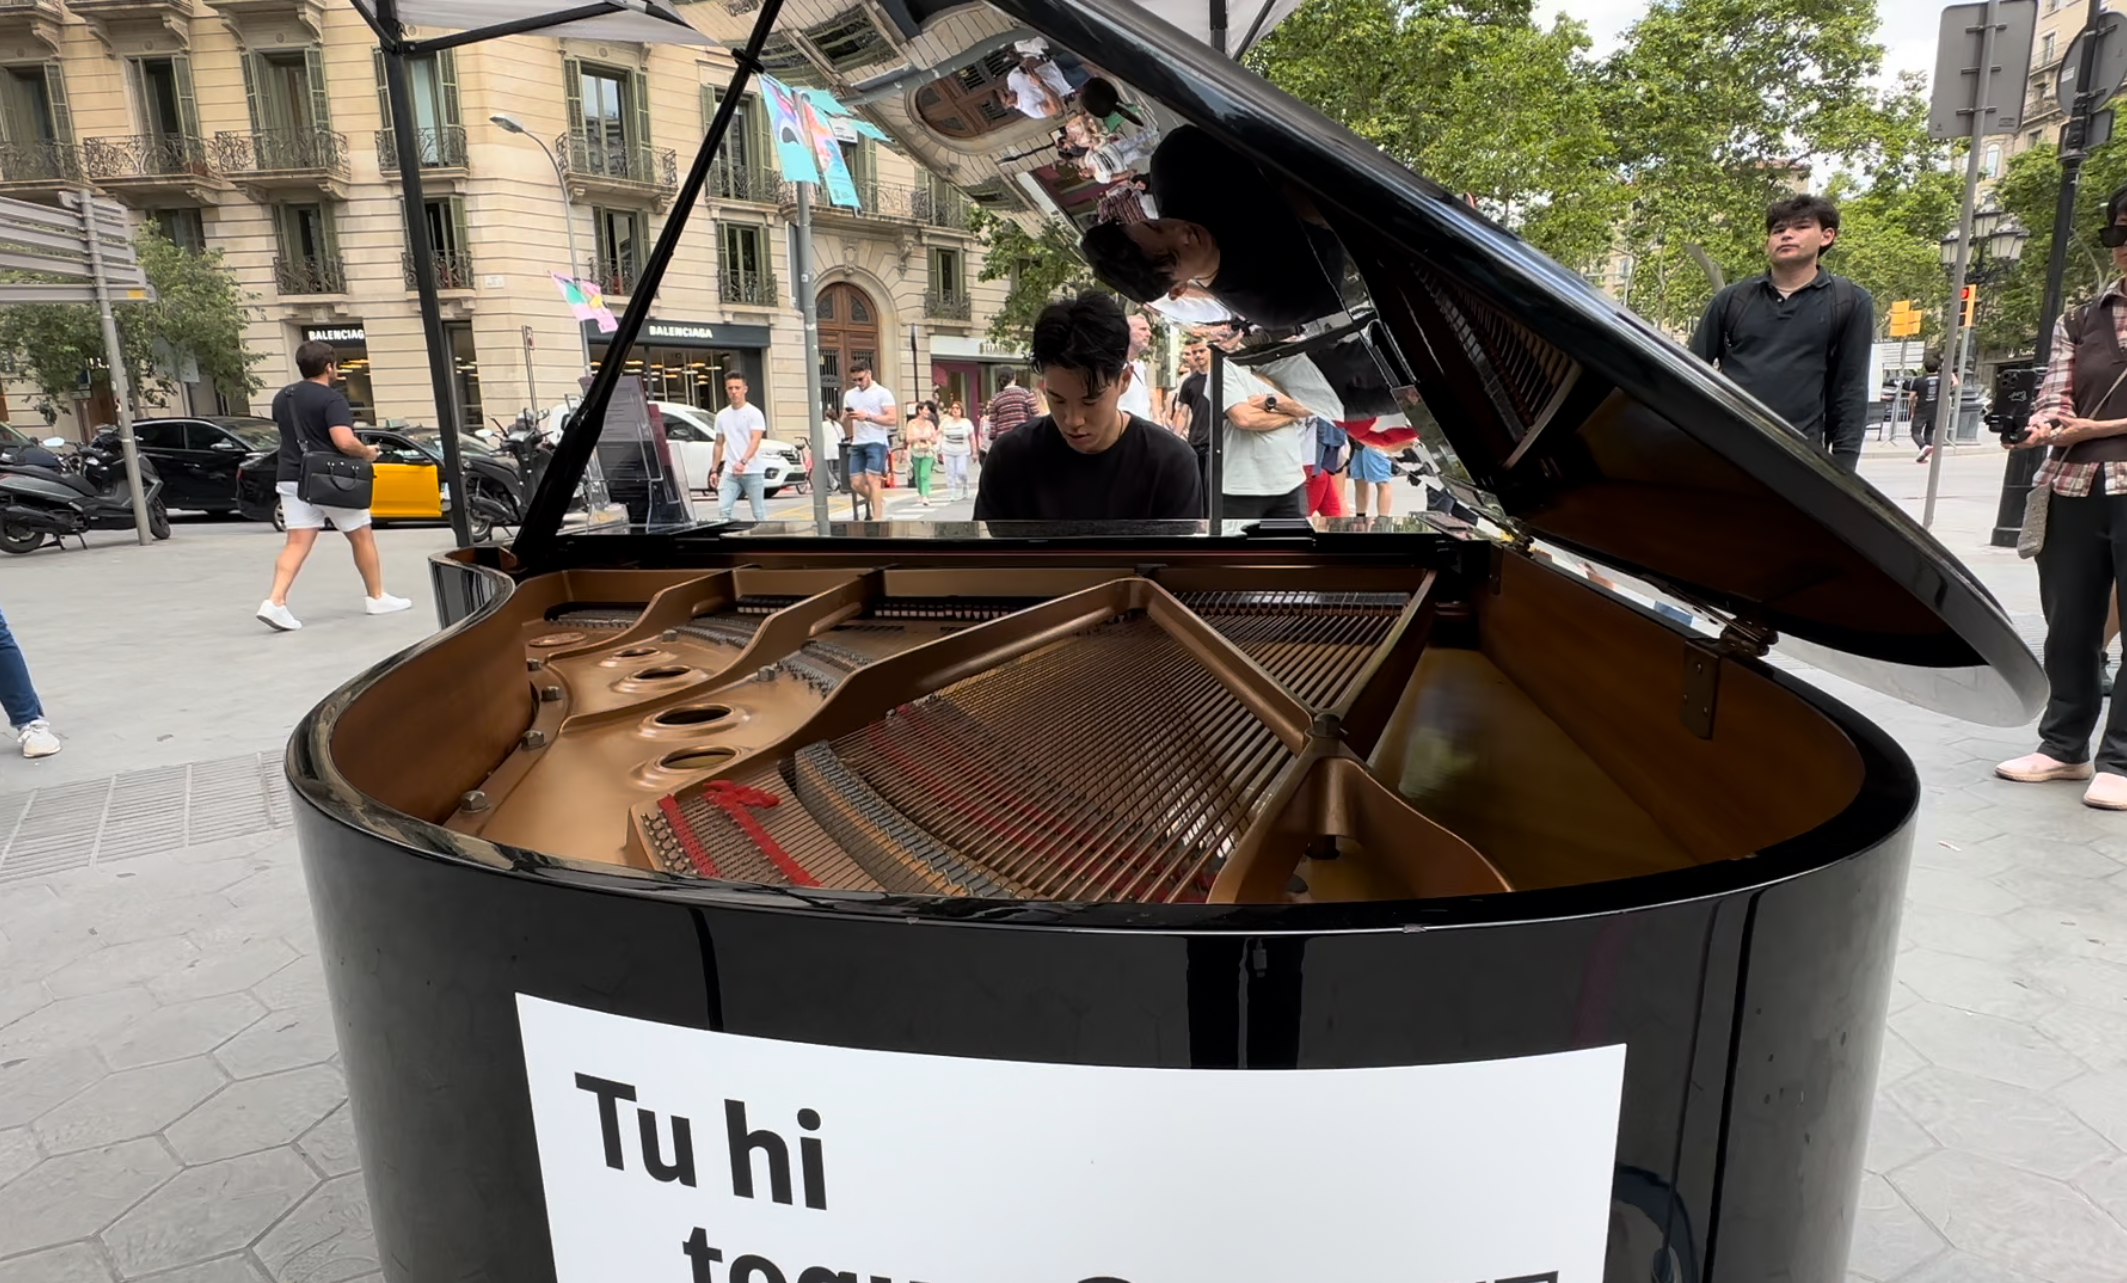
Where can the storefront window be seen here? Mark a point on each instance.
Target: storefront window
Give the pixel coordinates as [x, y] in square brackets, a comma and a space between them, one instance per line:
[350, 346]
[689, 375]
[465, 368]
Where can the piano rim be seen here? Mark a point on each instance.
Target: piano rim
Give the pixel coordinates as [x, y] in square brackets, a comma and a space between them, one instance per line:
[1886, 803]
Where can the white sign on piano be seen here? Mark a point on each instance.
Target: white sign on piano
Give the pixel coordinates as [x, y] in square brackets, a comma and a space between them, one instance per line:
[675, 1155]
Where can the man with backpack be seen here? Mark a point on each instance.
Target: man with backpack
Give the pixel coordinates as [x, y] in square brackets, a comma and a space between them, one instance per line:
[1797, 338]
[1924, 396]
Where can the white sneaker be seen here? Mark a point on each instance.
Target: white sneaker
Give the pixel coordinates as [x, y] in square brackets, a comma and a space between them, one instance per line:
[386, 604]
[278, 617]
[38, 740]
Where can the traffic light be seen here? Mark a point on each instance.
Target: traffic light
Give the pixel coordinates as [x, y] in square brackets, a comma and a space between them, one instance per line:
[1968, 303]
[1905, 319]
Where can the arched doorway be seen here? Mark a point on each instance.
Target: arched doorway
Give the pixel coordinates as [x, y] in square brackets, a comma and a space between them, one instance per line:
[849, 330]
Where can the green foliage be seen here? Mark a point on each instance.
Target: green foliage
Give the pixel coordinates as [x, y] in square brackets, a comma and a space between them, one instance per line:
[1038, 268]
[198, 313]
[1473, 95]
[2008, 309]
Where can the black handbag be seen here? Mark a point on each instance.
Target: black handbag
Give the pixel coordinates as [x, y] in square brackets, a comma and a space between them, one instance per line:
[334, 480]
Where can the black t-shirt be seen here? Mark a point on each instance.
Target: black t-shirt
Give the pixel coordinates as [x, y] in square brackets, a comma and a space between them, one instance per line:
[1193, 395]
[1274, 269]
[1033, 474]
[1927, 391]
[306, 414]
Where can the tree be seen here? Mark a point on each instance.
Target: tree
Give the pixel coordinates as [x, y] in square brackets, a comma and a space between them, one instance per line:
[2008, 308]
[1472, 94]
[198, 316]
[1038, 268]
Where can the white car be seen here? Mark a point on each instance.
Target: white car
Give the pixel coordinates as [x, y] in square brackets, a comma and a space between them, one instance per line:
[692, 432]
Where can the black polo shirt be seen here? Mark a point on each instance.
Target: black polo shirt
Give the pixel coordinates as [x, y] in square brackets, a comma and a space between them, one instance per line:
[1797, 355]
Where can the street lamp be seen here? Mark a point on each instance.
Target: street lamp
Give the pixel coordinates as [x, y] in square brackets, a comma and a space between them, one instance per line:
[511, 125]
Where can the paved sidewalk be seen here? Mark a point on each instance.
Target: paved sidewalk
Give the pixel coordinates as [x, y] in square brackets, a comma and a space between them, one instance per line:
[171, 1106]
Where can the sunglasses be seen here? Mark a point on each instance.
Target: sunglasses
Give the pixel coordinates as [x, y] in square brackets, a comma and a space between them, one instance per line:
[2113, 237]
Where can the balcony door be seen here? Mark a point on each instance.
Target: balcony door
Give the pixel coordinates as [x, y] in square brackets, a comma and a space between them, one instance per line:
[602, 109]
[849, 331]
[169, 114]
[289, 108]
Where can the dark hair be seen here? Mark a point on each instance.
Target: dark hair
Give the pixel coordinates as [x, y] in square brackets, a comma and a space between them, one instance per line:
[1086, 334]
[312, 357]
[2113, 205]
[860, 366]
[1100, 97]
[1931, 362]
[1124, 266]
[1793, 208]
[734, 375]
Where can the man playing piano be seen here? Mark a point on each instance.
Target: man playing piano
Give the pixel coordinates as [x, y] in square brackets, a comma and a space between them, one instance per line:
[1088, 459]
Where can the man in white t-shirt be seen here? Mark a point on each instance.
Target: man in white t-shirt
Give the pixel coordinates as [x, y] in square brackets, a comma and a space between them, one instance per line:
[867, 412]
[1037, 88]
[1137, 398]
[1261, 472]
[739, 430]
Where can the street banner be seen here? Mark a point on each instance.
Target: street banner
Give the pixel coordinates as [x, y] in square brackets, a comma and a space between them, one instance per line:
[793, 145]
[841, 188]
[586, 302]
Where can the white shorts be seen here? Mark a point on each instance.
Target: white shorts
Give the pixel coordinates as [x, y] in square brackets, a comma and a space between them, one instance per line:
[308, 516]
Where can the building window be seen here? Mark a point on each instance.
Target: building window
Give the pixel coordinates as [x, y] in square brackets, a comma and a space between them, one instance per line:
[849, 40]
[781, 58]
[744, 274]
[448, 241]
[745, 165]
[37, 125]
[286, 91]
[947, 298]
[309, 261]
[2046, 47]
[618, 235]
[465, 371]
[1991, 160]
[181, 227]
[432, 91]
[609, 122]
[162, 92]
[2032, 139]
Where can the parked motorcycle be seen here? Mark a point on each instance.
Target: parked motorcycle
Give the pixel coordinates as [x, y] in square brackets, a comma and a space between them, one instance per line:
[86, 490]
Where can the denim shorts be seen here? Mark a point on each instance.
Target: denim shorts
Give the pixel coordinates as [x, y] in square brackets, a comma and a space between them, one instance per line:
[868, 457]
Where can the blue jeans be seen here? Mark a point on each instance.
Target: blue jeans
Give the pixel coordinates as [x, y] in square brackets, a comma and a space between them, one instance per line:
[731, 487]
[17, 696]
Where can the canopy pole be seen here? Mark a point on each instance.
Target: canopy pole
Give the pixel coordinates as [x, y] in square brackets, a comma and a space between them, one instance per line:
[442, 373]
[542, 524]
[809, 308]
[1215, 475]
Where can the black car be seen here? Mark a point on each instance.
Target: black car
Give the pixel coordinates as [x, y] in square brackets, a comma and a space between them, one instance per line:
[199, 457]
[12, 439]
[409, 480]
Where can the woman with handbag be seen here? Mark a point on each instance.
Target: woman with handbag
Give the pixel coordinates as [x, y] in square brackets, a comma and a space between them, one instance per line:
[2076, 525]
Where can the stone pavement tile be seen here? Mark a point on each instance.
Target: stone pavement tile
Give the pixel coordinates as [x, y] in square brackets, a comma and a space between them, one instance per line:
[2009, 1124]
[2097, 1038]
[74, 1263]
[279, 881]
[2089, 981]
[226, 1269]
[2013, 1218]
[330, 1145]
[2077, 932]
[1889, 1236]
[25, 900]
[1988, 1046]
[208, 1211]
[1899, 1059]
[18, 1153]
[325, 1240]
[162, 918]
[2044, 888]
[258, 1113]
[247, 844]
[222, 971]
[2060, 859]
[299, 984]
[147, 879]
[2101, 1101]
[74, 1195]
[1958, 844]
[1972, 985]
[1902, 995]
[187, 1029]
[30, 1087]
[1954, 1266]
[1959, 891]
[73, 1022]
[137, 1102]
[283, 1040]
[2107, 1187]
[265, 919]
[34, 954]
[17, 1001]
[1894, 1138]
[115, 966]
[1965, 934]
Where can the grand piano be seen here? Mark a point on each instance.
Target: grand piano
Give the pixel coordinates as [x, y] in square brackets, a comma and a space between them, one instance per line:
[1474, 894]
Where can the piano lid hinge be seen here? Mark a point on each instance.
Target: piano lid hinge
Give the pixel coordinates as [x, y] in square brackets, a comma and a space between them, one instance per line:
[1747, 638]
[1702, 686]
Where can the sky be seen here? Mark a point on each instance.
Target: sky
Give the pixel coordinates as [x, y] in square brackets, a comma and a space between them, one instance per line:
[1907, 32]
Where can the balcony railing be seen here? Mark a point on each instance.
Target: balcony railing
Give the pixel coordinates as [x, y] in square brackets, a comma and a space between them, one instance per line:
[940, 207]
[309, 275]
[585, 159]
[883, 200]
[746, 182]
[40, 162]
[613, 275]
[454, 269]
[441, 148]
[947, 305]
[148, 156]
[757, 288]
[274, 151]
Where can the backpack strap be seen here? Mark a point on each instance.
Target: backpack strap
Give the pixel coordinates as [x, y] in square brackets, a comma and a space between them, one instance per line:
[1732, 312]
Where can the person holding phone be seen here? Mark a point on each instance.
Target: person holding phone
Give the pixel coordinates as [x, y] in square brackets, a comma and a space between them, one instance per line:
[2080, 419]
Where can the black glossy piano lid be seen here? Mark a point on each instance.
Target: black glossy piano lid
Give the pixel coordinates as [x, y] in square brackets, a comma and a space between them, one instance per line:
[1544, 404]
